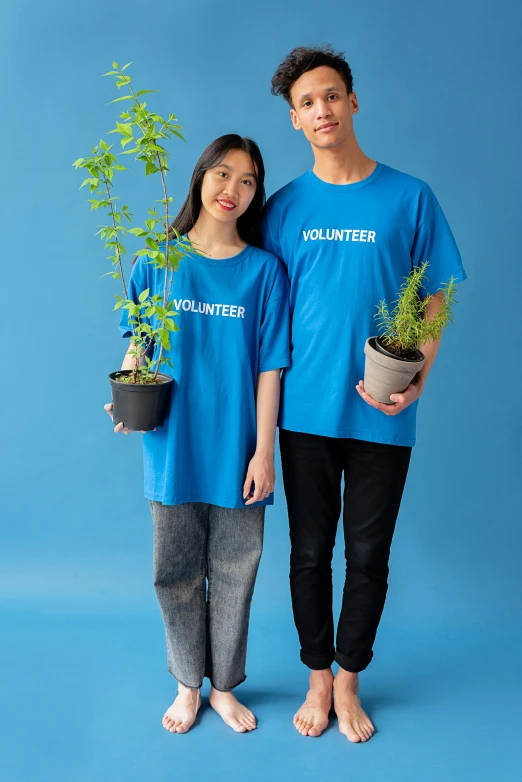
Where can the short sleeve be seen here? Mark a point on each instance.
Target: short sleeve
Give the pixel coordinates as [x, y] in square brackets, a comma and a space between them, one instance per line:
[274, 343]
[270, 232]
[434, 242]
[138, 282]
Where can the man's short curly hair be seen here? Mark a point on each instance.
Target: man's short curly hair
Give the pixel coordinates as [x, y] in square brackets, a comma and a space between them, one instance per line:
[303, 59]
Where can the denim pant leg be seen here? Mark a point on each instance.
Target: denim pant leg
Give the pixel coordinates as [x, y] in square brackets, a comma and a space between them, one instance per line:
[235, 544]
[180, 542]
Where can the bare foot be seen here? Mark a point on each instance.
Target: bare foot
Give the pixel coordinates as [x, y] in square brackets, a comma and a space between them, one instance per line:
[354, 723]
[180, 717]
[231, 711]
[312, 717]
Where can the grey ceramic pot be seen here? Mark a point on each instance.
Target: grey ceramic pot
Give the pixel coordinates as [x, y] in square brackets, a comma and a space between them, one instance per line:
[385, 374]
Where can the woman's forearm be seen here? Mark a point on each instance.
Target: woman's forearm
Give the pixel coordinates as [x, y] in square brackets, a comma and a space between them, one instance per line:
[128, 361]
[267, 407]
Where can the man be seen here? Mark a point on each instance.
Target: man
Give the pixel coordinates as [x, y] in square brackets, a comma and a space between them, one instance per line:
[348, 231]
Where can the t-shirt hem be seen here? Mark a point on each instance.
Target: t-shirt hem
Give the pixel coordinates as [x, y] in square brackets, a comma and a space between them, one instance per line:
[355, 435]
[207, 500]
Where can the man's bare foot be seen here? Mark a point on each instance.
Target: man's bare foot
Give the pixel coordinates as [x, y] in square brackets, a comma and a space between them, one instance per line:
[354, 723]
[231, 711]
[312, 717]
[180, 717]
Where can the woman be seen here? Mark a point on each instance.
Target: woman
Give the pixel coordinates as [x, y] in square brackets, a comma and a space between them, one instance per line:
[209, 471]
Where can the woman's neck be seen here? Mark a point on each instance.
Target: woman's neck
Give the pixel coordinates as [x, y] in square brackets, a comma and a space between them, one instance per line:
[215, 239]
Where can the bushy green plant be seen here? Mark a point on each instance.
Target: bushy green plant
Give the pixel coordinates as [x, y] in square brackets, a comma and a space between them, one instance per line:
[145, 130]
[405, 328]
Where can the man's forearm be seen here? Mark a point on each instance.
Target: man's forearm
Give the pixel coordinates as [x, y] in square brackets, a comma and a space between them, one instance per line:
[267, 407]
[430, 349]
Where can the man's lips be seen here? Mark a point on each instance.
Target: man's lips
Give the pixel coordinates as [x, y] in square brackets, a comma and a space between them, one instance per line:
[327, 127]
[228, 206]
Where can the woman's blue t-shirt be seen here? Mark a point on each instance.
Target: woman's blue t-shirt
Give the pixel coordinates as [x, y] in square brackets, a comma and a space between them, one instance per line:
[234, 324]
[345, 248]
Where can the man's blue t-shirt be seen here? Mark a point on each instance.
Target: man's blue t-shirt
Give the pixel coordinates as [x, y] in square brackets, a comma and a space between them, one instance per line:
[345, 248]
[234, 324]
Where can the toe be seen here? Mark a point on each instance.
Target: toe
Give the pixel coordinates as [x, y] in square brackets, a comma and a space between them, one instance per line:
[236, 725]
[314, 731]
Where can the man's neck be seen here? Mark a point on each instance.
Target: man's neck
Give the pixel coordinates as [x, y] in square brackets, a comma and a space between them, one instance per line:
[342, 165]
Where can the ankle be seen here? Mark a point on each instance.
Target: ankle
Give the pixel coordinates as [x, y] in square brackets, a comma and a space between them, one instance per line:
[321, 679]
[347, 680]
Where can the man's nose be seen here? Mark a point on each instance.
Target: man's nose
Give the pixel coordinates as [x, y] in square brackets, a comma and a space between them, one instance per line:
[323, 109]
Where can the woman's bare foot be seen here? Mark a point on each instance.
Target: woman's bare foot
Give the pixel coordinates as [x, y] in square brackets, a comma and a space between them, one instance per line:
[312, 717]
[354, 723]
[180, 717]
[231, 711]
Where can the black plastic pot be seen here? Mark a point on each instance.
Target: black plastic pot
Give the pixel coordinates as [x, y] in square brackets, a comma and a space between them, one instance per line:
[377, 345]
[140, 407]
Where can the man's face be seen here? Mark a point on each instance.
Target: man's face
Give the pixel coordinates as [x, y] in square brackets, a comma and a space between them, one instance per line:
[322, 108]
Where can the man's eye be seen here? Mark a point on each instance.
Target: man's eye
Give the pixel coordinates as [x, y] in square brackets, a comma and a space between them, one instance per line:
[332, 96]
[307, 103]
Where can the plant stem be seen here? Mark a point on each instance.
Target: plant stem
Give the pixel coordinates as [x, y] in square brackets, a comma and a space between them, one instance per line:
[106, 183]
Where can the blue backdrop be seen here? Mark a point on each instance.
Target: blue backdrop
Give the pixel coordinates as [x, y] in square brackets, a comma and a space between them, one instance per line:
[85, 683]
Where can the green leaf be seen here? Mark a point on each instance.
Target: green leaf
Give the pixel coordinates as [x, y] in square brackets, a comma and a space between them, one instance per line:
[150, 168]
[144, 92]
[125, 66]
[104, 145]
[117, 100]
[144, 294]
[110, 73]
[78, 162]
[117, 305]
[115, 65]
[164, 337]
[152, 243]
[126, 130]
[169, 324]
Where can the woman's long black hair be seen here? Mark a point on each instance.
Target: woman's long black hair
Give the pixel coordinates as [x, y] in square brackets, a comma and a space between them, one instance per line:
[248, 225]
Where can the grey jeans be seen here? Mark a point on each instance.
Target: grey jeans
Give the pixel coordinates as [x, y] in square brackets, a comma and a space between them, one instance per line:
[205, 566]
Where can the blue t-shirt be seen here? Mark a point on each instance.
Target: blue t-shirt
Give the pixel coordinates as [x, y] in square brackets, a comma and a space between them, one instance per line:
[234, 324]
[345, 248]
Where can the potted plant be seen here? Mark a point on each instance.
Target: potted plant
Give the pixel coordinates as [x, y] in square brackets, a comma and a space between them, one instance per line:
[393, 358]
[141, 394]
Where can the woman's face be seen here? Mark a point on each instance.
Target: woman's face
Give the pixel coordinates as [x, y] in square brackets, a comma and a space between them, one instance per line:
[227, 189]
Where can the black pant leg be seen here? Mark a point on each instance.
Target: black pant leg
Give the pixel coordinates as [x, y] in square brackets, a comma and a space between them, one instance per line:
[375, 475]
[312, 470]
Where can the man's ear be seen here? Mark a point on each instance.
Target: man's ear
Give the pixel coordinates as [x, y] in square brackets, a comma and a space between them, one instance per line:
[295, 119]
[354, 103]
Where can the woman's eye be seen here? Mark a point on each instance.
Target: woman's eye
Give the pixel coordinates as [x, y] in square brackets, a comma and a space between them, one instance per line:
[221, 173]
[247, 182]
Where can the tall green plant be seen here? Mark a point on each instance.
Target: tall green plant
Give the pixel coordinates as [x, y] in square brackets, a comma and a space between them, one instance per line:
[405, 328]
[145, 130]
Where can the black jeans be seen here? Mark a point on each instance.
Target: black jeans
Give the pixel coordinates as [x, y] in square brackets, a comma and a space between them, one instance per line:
[374, 475]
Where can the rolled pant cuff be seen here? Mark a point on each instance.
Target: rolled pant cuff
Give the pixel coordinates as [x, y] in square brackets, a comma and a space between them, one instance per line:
[353, 664]
[317, 662]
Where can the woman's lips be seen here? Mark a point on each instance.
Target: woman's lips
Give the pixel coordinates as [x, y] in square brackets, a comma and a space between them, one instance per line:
[228, 206]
